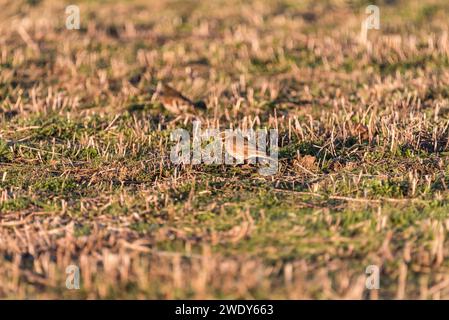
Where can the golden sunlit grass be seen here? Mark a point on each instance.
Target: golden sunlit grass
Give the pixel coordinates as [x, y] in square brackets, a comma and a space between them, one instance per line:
[85, 176]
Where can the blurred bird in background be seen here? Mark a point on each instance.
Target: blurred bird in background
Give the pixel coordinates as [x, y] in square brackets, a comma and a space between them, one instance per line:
[175, 102]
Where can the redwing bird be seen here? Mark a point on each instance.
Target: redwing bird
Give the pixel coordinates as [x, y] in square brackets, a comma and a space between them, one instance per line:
[175, 102]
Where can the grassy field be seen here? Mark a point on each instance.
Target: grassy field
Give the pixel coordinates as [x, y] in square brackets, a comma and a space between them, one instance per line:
[85, 175]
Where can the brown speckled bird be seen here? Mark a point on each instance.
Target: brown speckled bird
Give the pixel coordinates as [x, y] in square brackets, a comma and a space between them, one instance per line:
[243, 149]
[175, 102]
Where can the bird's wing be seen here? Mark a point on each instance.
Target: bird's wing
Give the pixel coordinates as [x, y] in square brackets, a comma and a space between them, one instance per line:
[174, 94]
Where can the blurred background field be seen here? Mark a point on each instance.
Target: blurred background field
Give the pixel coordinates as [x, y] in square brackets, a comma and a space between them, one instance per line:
[85, 176]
